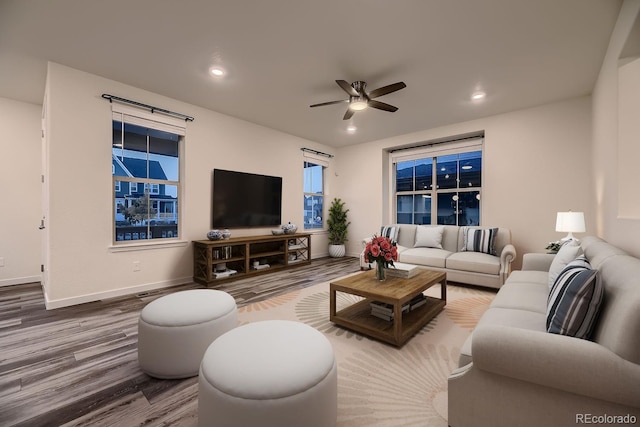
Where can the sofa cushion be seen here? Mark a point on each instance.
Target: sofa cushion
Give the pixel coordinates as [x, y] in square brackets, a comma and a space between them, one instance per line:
[530, 276]
[567, 253]
[474, 261]
[523, 296]
[618, 326]
[429, 237]
[598, 251]
[406, 234]
[523, 319]
[574, 300]
[480, 240]
[430, 257]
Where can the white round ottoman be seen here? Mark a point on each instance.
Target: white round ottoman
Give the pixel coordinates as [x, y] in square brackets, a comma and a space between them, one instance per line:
[175, 330]
[274, 373]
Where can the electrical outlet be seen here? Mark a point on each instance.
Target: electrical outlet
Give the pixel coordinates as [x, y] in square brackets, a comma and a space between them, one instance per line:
[136, 265]
[1, 261]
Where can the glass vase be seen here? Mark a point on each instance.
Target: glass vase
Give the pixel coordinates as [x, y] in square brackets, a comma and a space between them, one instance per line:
[380, 271]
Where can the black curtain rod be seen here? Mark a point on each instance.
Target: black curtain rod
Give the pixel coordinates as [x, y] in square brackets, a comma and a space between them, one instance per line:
[437, 142]
[151, 108]
[309, 150]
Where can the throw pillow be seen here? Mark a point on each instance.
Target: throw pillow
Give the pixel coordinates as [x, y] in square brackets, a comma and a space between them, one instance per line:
[574, 301]
[569, 251]
[428, 237]
[390, 232]
[480, 240]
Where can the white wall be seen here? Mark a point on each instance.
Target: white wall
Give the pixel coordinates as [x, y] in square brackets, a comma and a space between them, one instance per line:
[624, 232]
[536, 163]
[83, 265]
[628, 146]
[21, 206]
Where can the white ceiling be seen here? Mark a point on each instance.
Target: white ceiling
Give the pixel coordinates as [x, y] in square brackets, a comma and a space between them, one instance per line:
[283, 55]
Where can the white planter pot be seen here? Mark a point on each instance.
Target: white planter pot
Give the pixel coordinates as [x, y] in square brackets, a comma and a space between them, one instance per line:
[337, 251]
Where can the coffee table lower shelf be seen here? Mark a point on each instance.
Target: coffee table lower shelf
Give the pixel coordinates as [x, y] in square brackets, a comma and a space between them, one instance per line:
[358, 317]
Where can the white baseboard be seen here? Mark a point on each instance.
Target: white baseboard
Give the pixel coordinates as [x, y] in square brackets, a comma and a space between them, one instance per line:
[20, 280]
[98, 296]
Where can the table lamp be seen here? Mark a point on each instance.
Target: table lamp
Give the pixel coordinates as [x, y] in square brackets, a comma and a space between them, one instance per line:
[570, 222]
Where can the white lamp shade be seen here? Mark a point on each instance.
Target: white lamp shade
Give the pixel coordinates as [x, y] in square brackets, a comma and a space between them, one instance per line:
[570, 222]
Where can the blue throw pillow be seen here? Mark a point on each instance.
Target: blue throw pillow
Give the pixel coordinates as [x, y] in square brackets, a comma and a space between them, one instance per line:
[574, 300]
[480, 240]
[390, 232]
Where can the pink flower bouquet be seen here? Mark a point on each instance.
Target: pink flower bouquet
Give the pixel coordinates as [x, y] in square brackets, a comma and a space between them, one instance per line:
[381, 250]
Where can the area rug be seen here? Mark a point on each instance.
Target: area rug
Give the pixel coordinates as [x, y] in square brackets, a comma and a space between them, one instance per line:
[378, 384]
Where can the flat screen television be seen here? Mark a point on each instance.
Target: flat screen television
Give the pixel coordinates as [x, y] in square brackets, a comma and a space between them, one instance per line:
[243, 199]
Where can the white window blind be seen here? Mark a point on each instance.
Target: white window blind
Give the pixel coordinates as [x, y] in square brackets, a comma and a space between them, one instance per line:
[140, 117]
[316, 159]
[439, 149]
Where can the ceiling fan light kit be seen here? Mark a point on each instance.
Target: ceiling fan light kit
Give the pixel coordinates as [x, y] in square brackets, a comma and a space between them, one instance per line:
[357, 103]
[360, 99]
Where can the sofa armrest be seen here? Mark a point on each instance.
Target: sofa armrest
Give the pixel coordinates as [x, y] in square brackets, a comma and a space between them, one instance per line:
[537, 262]
[507, 256]
[570, 364]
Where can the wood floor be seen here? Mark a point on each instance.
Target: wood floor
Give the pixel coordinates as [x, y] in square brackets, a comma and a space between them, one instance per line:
[77, 366]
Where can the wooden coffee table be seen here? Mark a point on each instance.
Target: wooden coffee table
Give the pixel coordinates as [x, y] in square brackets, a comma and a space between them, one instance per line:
[395, 291]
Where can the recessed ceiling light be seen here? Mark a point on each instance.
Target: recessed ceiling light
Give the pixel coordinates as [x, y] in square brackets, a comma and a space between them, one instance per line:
[352, 129]
[216, 71]
[478, 96]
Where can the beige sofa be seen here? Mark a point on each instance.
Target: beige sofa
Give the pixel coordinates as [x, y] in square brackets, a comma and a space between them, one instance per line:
[514, 373]
[461, 266]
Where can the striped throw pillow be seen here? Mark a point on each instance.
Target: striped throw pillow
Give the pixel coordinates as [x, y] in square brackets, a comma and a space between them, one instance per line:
[480, 240]
[390, 232]
[574, 300]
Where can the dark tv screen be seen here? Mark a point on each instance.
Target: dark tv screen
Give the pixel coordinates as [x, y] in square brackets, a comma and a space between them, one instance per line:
[245, 199]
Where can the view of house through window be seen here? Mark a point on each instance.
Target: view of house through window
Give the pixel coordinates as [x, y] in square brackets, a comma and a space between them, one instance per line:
[146, 183]
[439, 189]
[313, 195]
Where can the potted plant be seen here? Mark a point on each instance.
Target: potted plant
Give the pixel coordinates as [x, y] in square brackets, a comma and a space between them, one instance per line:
[338, 226]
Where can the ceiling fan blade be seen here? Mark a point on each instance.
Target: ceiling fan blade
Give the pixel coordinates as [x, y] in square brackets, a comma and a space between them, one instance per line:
[329, 103]
[348, 114]
[382, 106]
[386, 89]
[347, 88]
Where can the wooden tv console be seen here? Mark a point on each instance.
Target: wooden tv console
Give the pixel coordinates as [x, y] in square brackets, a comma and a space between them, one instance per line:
[221, 260]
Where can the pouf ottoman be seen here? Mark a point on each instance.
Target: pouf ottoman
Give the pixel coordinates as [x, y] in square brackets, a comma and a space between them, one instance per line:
[175, 330]
[273, 373]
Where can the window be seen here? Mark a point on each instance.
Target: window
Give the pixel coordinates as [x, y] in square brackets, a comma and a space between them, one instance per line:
[146, 174]
[313, 195]
[439, 185]
[154, 189]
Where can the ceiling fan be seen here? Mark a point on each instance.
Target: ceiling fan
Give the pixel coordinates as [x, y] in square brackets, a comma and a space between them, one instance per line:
[359, 98]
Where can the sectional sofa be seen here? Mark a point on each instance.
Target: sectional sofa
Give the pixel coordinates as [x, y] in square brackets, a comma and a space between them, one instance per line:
[448, 248]
[512, 372]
